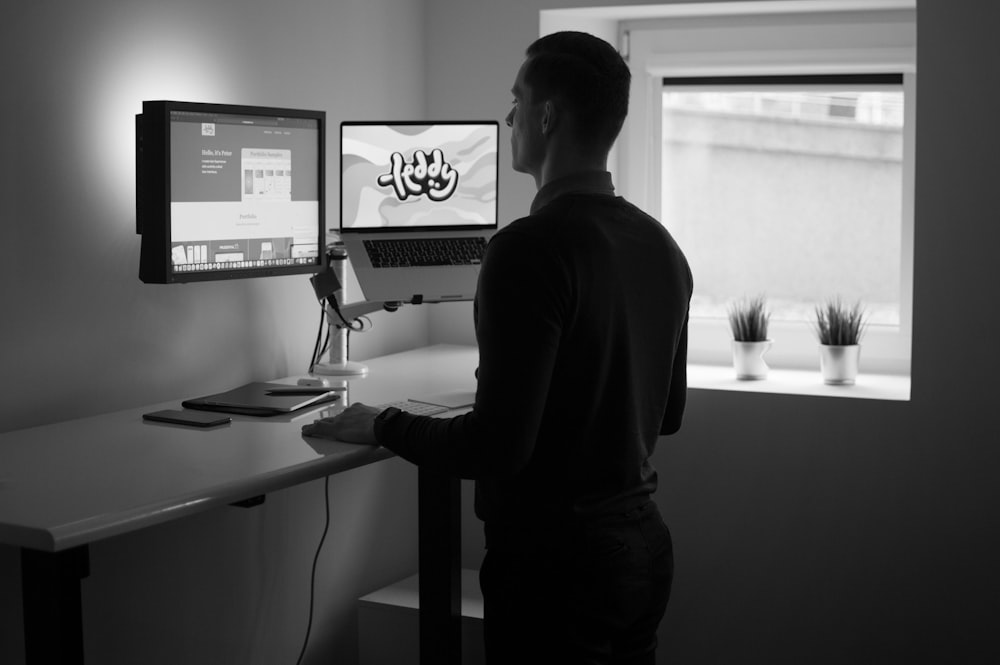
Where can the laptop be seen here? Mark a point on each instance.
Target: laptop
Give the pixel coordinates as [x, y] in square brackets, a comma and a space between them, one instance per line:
[418, 202]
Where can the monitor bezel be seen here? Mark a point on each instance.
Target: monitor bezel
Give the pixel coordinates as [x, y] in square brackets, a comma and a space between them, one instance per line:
[486, 228]
[153, 186]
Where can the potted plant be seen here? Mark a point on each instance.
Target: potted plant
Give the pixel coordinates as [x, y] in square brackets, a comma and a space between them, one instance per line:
[748, 319]
[839, 328]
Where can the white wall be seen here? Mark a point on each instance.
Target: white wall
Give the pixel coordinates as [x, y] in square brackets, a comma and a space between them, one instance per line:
[813, 530]
[80, 334]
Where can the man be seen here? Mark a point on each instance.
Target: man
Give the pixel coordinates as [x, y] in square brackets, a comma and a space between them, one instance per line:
[581, 322]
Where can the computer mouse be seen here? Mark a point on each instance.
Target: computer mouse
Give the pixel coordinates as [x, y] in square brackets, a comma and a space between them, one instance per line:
[314, 381]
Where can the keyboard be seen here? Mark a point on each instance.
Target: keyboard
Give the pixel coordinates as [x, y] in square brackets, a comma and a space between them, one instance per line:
[416, 408]
[401, 253]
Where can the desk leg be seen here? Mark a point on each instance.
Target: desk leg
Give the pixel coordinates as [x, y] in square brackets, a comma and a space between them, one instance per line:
[440, 569]
[53, 612]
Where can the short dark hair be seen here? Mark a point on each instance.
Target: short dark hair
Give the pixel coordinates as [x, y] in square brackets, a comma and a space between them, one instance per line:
[589, 75]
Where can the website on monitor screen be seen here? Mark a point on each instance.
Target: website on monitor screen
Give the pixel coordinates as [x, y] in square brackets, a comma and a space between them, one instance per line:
[244, 191]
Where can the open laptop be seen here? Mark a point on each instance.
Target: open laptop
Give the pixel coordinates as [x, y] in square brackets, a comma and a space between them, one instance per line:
[410, 184]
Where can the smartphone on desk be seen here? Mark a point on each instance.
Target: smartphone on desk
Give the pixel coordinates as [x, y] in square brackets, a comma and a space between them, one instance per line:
[188, 417]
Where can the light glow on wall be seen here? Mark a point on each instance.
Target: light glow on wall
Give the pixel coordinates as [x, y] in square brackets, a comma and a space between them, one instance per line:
[173, 62]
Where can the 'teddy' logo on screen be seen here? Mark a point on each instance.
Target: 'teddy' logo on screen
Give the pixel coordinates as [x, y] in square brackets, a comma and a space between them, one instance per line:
[436, 178]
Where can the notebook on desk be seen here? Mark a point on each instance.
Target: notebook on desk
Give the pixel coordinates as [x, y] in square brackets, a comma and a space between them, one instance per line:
[263, 399]
[418, 203]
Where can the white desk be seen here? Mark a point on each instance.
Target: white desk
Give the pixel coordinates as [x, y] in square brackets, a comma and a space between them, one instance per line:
[69, 484]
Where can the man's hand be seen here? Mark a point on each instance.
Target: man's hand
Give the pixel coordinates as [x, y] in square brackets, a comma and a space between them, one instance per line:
[355, 424]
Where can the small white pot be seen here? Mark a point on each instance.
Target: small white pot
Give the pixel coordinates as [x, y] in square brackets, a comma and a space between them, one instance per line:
[748, 359]
[839, 364]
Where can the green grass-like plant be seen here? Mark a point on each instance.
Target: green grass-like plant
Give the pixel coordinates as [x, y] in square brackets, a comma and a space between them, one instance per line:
[838, 324]
[748, 319]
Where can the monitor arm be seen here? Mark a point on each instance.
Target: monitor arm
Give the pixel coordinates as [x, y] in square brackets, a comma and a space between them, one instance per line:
[329, 291]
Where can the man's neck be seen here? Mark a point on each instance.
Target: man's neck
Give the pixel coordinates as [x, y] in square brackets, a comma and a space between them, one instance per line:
[566, 163]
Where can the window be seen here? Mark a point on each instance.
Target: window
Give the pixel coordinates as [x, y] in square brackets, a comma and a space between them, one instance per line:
[778, 149]
[788, 186]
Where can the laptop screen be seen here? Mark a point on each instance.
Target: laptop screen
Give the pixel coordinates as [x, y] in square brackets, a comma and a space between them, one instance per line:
[430, 175]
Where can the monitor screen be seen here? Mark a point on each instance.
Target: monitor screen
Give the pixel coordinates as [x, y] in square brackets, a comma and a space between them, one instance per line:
[430, 175]
[229, 191]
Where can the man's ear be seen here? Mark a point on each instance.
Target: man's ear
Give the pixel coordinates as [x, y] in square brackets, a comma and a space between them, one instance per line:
[550, 117]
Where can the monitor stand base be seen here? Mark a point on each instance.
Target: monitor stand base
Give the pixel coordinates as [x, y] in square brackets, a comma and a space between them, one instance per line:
[348, 368]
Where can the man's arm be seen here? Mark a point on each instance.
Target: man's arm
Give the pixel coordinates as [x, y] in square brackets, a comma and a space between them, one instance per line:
[522, 299]
[678, 386]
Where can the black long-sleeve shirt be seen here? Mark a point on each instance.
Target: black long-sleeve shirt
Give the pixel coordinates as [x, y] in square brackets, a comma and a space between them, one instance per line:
[581, 321]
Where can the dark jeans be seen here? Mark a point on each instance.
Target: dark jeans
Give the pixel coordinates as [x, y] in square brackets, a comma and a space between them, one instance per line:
[586, 594]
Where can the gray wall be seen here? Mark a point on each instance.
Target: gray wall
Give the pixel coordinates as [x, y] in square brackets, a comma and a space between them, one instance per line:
[82, 335]
[806, 530]
[823, 530]
[79, 326]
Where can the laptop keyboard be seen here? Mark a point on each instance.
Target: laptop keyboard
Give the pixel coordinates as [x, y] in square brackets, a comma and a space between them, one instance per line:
[401, 253]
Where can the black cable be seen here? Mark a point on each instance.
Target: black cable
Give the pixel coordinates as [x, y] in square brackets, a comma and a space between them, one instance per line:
[326, 345]
[312, 584]
[336, 308]
[319, 335]
[357, 325]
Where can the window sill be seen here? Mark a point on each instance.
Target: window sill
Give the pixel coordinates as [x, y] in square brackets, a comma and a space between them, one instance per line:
[799, 382]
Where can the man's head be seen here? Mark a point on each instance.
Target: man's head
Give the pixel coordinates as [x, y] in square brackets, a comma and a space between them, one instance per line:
[577, 80]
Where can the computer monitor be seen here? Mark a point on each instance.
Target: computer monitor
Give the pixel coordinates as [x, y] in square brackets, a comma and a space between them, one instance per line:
[226, 192]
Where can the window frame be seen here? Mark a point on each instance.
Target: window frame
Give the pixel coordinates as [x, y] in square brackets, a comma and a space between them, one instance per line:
[802, 45]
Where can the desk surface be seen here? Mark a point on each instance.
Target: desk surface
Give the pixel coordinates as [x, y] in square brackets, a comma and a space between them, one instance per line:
[79, 481]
